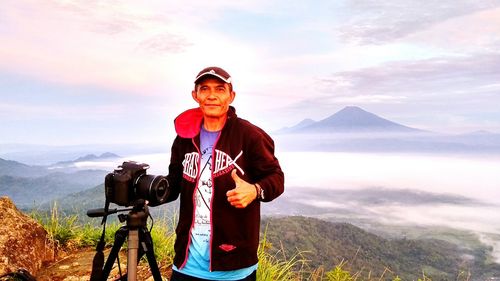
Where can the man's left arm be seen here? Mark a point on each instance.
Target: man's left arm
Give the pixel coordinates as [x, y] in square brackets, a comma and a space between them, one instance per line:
[266, 168]
[265, 171]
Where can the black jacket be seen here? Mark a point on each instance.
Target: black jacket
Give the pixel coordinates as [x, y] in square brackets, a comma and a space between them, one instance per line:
[235, 232]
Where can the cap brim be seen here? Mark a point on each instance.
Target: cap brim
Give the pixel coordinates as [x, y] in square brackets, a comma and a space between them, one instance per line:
[208, 73]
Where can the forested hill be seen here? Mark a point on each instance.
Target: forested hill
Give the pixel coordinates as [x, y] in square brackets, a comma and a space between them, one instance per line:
[328, 244]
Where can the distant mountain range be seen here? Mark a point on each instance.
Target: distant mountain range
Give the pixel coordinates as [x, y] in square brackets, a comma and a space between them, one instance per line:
[30, 186]
[350, 119]
[354, 129]
[86, 158]
[40, 154]
[93, 157]
[16, 169]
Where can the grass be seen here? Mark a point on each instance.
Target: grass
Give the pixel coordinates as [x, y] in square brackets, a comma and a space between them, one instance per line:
[275, 268]
[163, 235]
[70, 234]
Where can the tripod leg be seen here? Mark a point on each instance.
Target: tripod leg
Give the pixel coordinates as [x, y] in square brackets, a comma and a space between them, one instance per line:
[120, 236]
[133, 252]
[147, 244]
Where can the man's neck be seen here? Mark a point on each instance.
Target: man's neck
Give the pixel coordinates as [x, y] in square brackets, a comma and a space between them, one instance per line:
[214, 124]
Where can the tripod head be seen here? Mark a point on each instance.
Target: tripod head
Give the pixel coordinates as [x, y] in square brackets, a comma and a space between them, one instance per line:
[102, 212]
[136, 218]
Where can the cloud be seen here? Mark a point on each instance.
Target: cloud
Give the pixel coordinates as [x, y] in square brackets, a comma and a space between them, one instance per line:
[419, 80]
[17, 111]
[471, 33]
[376, 22]
[125, 46]
[379, 196]
[443, 94]
[76, 42]
[164, 43]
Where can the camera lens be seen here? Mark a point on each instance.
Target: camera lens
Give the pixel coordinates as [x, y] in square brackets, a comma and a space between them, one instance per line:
[153, 188]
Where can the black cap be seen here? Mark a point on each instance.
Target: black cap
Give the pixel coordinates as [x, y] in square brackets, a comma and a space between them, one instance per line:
[214, 71]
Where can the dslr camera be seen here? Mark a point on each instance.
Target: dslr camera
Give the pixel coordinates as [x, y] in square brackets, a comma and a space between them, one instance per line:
[129, 183]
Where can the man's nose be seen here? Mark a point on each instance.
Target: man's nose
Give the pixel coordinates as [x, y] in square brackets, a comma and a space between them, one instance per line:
[211, 94]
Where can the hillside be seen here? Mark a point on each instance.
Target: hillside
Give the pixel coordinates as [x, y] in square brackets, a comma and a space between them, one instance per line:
[16, 169]
[30, 186]
[80, 201]
[327, 244]
[27, 192]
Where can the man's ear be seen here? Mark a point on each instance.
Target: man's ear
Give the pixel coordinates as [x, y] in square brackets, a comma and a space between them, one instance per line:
[233, 95]
[195, 96]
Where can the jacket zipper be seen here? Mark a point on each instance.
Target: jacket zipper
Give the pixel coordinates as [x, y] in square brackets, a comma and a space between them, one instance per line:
[186, 256]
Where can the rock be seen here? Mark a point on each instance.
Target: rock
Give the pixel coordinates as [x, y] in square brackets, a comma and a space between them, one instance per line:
[24, 243]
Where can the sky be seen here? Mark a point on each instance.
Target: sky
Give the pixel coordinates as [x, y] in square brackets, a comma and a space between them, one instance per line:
[90, 71]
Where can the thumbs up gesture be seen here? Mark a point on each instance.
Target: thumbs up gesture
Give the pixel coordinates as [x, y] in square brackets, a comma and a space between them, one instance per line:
[242, 194]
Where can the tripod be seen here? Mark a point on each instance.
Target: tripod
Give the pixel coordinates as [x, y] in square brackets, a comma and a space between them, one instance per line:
[139, 243]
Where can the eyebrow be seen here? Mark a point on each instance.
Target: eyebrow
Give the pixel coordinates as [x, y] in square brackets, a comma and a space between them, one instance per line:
[216, 84]
[221, 85]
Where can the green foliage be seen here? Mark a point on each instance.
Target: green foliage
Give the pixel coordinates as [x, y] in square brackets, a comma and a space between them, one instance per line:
[273, 268]
[367, 255]
[67, 232]
[61, 229]
[339, 274]
[163, 235]
[89, 234]
[424, 278]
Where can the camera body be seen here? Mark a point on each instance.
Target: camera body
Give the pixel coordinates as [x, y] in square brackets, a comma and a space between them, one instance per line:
[129, 183]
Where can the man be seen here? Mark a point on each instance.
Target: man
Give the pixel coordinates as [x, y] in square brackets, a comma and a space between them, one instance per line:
[223, 167]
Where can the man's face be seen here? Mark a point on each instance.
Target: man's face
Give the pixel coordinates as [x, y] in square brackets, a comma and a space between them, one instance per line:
[214, 97]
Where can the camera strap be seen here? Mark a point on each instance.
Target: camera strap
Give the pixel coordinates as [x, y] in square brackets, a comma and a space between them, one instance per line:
[98, 261]
[101, 243]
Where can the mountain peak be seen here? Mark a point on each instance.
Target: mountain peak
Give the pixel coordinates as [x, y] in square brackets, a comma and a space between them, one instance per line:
[350, 119]
[352, 113]
[352, 108]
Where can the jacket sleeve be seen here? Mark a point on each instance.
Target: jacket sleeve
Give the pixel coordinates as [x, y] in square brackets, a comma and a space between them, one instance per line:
[266, 169]
[175, 171]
